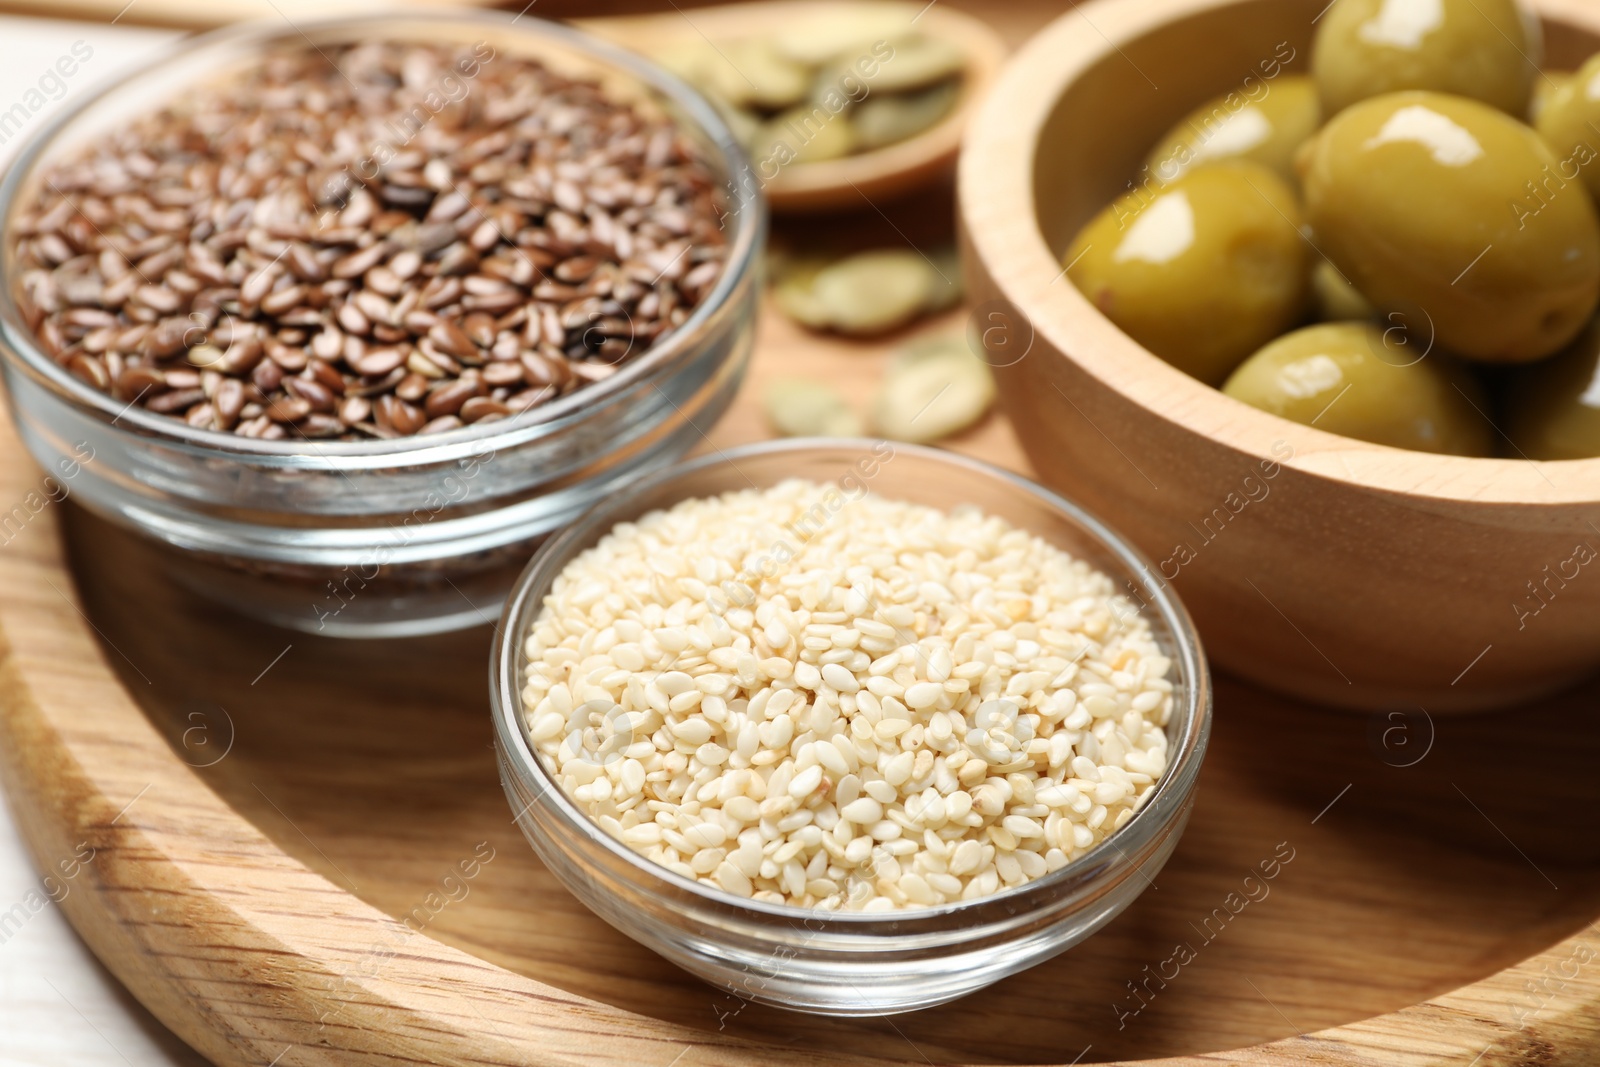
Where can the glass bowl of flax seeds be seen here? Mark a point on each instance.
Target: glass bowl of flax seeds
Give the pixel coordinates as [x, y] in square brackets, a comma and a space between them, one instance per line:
[348, 317]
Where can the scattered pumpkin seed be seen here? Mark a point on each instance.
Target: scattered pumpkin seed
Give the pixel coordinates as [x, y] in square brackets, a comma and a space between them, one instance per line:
[933, 389]
[890, 119]
[800, 407]
[874, 292]
[867, 293]
[793, 292]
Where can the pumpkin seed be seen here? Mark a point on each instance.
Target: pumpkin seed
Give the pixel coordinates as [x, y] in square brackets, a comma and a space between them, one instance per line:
[848, 32]
[932, 390]
[800, 407]
[874, 292]
[804, 135]
[867, 293]
[918, 62]
[888, 119]
[793, 97]
[770, 79]
[794, 295]
[699, 63]
[709, 69]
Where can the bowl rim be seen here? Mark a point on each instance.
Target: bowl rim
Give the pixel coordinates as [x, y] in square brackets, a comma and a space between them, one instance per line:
[746, 207]
[997, 204]
[1172, 790]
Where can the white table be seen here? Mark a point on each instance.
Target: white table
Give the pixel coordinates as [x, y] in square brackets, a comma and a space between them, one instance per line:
[58, 1006]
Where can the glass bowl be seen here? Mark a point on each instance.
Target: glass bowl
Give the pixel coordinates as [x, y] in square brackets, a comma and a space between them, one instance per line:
[383, 537]
[850, 963]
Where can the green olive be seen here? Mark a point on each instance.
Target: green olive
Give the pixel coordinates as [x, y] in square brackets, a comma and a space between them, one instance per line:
[1484, 49]
[1336, 299]
[1553, 409]
[1266, 127]
[1203, 271]
[1353, 379]
[1423, 202]
[1569, 122]
[1545, 89]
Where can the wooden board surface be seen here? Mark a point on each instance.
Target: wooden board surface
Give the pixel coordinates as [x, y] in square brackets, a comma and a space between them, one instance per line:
[258, 903]
[278, 827]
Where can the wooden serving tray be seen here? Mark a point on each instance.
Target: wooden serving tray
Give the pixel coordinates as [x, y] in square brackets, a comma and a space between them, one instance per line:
[301, 854]
[275, 817]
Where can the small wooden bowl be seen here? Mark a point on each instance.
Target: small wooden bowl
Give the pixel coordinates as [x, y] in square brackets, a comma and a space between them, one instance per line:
[853, 181]
[1339, 571]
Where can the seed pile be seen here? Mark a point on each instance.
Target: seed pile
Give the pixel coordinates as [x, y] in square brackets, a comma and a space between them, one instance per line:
[839, 83]
[372, 241]
[915, 708]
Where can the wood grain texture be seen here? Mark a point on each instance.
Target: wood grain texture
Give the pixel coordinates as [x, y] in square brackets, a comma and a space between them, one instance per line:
[1370, 576]
[269, 811]
[263, 839]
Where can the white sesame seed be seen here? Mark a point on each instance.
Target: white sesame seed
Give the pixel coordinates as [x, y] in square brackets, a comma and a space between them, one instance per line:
[711, 754]
[915, 708]
[692, 731]
[733, 879]
[806, 782]
[1022, 827]
[841, 679]
[830, 756]
[881, 791]
[706, 835]
[742, 808]
[863, 811]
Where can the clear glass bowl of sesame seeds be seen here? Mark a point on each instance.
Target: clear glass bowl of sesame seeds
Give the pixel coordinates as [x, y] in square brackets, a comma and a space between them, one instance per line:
[840, 958]
[278, 397]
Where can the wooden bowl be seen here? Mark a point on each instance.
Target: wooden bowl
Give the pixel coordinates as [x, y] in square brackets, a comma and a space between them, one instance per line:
[852, 182]
[1342, 572]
